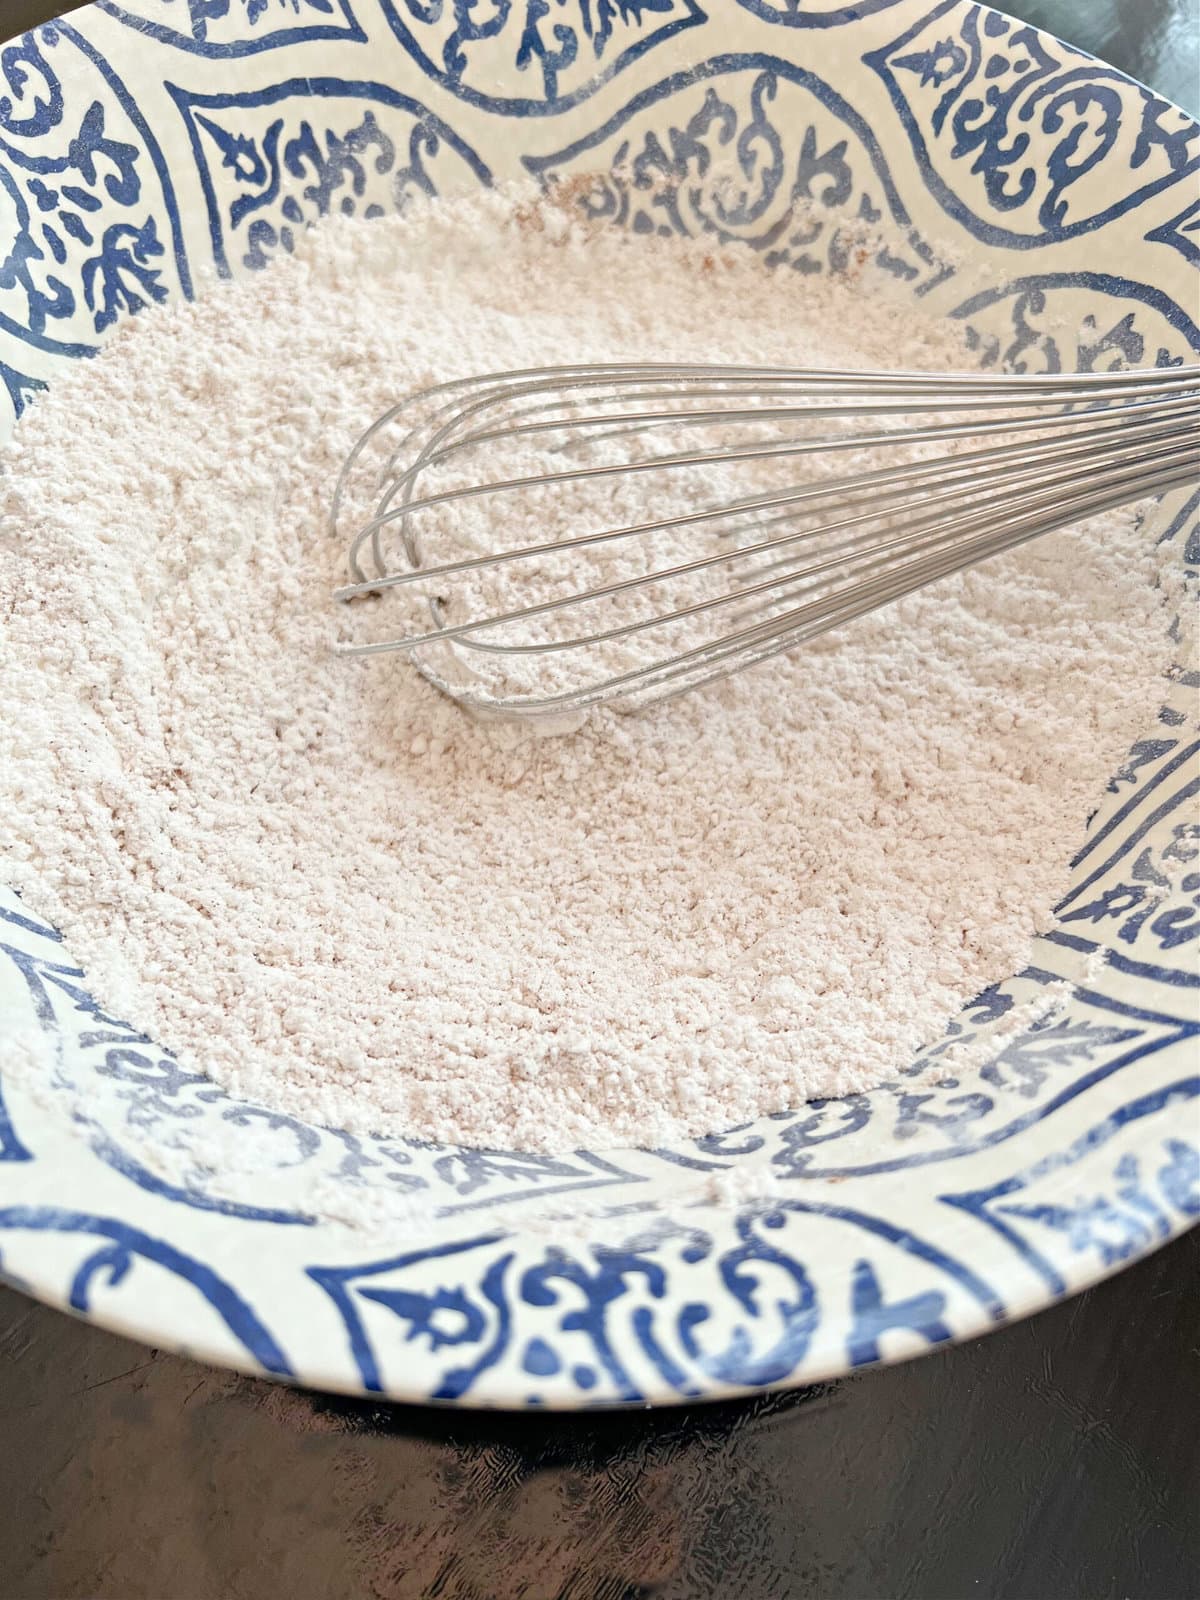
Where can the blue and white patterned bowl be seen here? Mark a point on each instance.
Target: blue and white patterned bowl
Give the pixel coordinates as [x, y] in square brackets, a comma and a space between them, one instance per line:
[1035, 195]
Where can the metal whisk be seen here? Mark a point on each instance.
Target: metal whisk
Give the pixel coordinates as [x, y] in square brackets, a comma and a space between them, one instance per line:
[972, 465]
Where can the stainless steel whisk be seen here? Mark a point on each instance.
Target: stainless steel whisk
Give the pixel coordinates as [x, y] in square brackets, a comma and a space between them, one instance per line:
[1013, 457]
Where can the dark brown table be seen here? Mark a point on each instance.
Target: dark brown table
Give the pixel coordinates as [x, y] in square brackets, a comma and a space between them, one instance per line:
[1056, 1460]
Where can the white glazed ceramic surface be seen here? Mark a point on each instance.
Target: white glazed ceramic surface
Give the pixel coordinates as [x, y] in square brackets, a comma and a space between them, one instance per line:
[1043, 200]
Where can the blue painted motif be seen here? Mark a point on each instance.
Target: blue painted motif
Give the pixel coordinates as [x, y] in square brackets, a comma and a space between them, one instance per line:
[1051, 1063]
[1035, 341]
[747, 148]
[231, 28]
[1138, 904]
[94, 224]
[1186, 521]
[611, 1301]
[552, 53]
[1148, 819]
[297, 151]
[1008, 125]
[111, 1261]
[1038, 1210]
[11, 1148]
[1110, 830]
[814, 13]
[19, 386]
[439, 1316]
[655, 157]
[873, 1316]
[1182, 232]
[1144, 753]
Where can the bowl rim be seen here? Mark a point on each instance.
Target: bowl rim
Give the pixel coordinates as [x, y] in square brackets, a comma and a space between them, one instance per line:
[1011, 1291]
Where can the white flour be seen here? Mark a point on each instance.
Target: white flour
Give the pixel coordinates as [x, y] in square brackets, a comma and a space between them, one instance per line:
[320, 882]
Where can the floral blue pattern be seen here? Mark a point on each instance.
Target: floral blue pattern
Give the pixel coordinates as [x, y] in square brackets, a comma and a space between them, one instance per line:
[1182, 232]
[293, 152]
[236, 27]
[814, 13]
[145, 144]
[555, 51]
[1010, 124]
[110, 1251]
[618, 1311]
[93, 233]
[1149, 1191]
[811, 173]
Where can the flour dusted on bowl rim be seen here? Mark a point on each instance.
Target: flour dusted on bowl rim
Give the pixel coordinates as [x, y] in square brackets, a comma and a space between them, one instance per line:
[318, 881]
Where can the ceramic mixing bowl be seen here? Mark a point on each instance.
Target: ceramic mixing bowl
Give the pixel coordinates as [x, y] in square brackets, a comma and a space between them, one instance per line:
[1039, 198]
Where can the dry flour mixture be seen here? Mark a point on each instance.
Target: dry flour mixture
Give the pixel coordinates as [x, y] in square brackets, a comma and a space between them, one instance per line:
[320, 882]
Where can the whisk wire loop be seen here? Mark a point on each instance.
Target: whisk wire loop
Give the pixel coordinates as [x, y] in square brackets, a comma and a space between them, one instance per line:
[973, 465]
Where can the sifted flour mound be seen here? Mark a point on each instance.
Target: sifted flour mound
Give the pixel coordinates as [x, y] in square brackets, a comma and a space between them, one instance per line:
[322, 883]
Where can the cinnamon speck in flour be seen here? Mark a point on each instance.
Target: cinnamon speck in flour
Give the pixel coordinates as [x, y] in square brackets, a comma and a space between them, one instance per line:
[317, 880]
